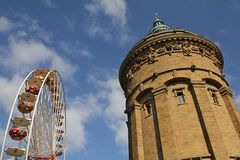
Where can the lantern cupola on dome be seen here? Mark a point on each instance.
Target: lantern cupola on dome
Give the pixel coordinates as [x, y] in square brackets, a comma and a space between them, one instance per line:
[158, 25]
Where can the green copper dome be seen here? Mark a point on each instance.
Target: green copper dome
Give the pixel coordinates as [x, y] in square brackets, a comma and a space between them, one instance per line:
[158, 25]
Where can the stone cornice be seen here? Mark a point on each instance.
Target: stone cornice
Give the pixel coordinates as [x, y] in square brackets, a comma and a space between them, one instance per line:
[159, 90]
[225, 91]
[129, 93]
[132, 107]
[172, 41]
[198, 84]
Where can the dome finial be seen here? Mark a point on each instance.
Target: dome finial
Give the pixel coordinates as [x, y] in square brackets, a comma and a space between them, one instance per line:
[157, 17]
[158, 25]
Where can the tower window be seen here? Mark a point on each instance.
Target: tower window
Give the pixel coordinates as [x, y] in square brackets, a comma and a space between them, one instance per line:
[148, 108]
[180, 96]
[214, 96]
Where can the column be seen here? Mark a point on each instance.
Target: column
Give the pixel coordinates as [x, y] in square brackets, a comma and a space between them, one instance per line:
[231, 107]
[211, 131]
[168, 146]
[136, 132]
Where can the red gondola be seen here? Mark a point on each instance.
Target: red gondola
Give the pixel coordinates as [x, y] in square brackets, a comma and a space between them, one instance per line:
[17, 134]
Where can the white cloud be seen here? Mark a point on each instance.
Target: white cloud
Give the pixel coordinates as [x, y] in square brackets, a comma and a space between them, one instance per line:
[66, 46]
[49, 3]
[65, 68]
[24, 52]
[125, 37]
[32, 28]
[5, 24]
[116, 9]
[112, 93]
[107, 102]
[115, 111]
[96, 30]
[21, 34]
[80, 111]
[8, 90]
[22, 56]
[75, 49]
[41, 33]
[70, 23]
[25, 55]
[86, 53]
[75, 129]
[2, 133]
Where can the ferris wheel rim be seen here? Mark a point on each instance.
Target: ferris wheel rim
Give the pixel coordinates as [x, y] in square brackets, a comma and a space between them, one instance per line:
[30, 129]
[11, 112]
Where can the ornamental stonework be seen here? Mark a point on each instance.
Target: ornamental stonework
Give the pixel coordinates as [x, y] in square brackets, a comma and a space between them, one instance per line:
[147, 55]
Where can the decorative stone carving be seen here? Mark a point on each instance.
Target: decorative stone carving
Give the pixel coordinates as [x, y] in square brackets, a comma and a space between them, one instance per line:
[139, 60]
[152, 56]
[129, 92]
[169, 49]
[195, 48]
[214, 59]
[144, 58]
[151, 51]
[174, 73]
[210, 74]
[135, 67]
[149, 54]
[141, 87]
[130, 75]
[186, 49]
[202, 51]
[177, 47]
[160, 50]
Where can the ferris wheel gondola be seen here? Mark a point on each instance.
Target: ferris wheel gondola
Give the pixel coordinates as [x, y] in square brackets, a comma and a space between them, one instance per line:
[37, 122]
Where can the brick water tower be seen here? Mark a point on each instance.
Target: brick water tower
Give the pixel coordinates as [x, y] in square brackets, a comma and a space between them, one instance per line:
[178, 102]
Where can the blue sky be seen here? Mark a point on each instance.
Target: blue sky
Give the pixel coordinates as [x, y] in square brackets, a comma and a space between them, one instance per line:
[86, 41]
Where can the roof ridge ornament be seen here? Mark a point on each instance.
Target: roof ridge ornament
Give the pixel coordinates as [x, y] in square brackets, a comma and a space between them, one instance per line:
[158, 25]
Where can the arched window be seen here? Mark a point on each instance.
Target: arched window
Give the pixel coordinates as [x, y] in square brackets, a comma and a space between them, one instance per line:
[145, 99]
[214, 96]
[180, 96]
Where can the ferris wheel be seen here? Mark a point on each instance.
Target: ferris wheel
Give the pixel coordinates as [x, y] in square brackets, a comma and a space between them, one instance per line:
[37, 122]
